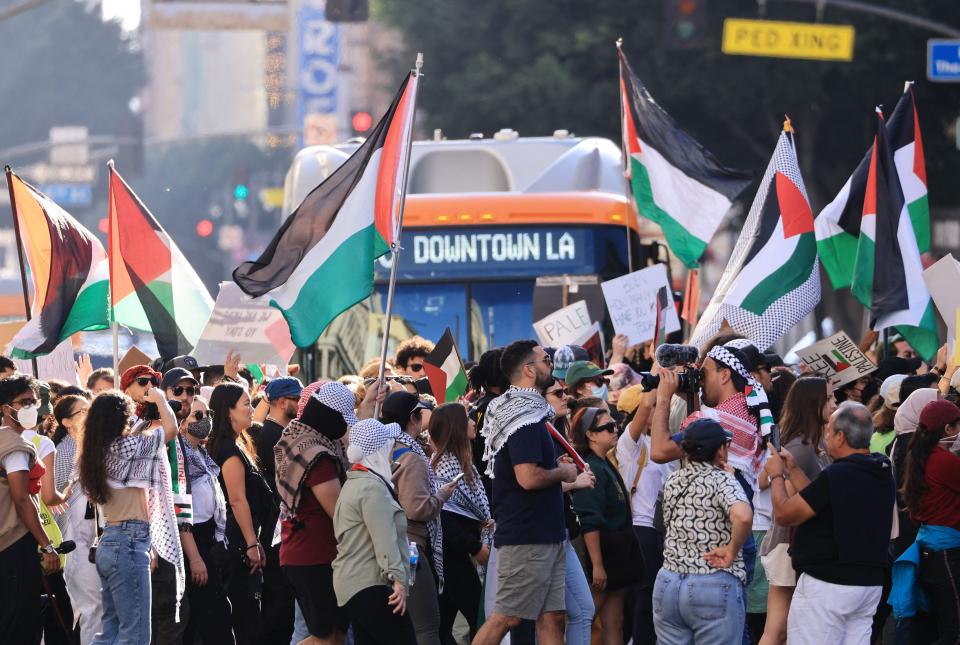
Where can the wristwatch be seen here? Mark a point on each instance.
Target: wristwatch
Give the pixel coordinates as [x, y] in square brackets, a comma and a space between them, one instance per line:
[49, 548]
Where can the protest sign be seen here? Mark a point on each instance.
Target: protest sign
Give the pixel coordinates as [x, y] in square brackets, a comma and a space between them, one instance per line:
[567, 326]
[632, 303]
[942, 279]
[133, 357]
[57, 364]
[255, 330]
[837, 358]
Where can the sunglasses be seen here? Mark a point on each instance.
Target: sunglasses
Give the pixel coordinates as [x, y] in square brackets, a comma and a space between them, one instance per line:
[415, 367]
[609, 426]
[144, 381]
[190, 390]
[560, 392]
[200, 415]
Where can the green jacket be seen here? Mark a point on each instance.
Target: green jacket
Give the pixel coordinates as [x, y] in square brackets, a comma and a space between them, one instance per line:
[603, 507]
[371, 531]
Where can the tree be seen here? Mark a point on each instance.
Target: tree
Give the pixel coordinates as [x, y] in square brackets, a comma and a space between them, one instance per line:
[65, 66]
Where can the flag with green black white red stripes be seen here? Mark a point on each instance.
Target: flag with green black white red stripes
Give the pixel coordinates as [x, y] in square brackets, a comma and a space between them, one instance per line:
[444, 368]
[663, 306]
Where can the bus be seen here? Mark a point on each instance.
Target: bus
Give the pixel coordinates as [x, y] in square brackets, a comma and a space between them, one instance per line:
[497, 233]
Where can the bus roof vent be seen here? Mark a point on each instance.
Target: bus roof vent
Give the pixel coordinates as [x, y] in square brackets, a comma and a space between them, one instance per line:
[463, 170]
[476, 136]
[506, 134]
[562, 134]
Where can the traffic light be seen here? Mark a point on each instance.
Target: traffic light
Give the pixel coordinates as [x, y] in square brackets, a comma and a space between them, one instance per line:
[240, 192]
[685, 23]
[361, 122]
[204, 228]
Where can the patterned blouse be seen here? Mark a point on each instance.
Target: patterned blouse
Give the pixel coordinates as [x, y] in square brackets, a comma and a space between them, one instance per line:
[696, 511]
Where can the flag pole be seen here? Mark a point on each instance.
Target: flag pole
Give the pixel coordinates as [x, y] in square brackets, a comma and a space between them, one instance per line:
[23, 270]
[626, 163]
[113, 319]
[395, 244]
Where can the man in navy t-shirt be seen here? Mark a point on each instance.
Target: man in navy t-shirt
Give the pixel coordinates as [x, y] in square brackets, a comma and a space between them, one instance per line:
[528, 500]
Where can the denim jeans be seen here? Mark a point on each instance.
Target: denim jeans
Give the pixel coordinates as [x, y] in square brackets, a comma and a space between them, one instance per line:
[703, 608]
[579, 602]
[123, 563]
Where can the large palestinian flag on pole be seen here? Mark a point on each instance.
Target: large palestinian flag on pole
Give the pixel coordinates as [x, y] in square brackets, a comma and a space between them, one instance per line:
[888, 273]
[68, 267]
[444, 368]
[772, 279]
[675, 181]
[320, 262]
[153, 286]
[838, 225]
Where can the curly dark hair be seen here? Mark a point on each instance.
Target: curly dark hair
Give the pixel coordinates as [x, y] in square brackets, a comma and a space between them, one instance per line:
[107, 419]
[15, 385]
[412, 348]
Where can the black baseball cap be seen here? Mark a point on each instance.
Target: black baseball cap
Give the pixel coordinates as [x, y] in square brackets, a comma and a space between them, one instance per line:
[399, 406]
[174, 376]
[706, 434]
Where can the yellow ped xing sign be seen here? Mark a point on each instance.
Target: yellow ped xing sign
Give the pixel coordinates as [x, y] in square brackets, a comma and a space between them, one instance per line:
[807, 40]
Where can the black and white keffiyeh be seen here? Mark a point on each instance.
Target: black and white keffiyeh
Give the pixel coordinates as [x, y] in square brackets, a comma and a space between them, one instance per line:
[139, 460]
[298, 450]
[469, 498]
[434, 527]
[756, 396]
[369, 436]
[512, 410]
[201, 464]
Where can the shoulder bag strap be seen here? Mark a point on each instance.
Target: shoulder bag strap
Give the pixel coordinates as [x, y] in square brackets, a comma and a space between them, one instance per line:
[641, 463]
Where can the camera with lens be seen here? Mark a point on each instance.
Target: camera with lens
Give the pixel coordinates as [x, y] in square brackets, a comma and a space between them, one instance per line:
[689, 381]
[151, 412]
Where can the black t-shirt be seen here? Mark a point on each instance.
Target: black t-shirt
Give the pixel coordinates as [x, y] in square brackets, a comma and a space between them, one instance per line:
[854, 553]
[259, 496]
[527, 516]
[265, 440]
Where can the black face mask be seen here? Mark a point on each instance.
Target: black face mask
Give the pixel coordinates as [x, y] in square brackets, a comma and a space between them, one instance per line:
[200, 429]
[323, 419]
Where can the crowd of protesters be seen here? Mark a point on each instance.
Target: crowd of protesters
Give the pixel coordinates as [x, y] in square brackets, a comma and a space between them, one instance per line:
[730, 500]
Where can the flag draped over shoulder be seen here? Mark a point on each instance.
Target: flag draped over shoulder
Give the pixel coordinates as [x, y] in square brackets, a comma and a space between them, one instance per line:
[153, 286]
[838, 225]
[444, 368]
[888, 273]
[68, 267]
[772, 279]
[320, 262]
[675, 181]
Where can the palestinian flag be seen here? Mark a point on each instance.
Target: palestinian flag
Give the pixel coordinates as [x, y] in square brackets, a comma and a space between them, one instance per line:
[663, 306]
[320, 262]
[772, 279]
[68, 267]
[676, 182]
[888, 273]
[153, 287]
[838, 225]
[837, 361]
[448, 379]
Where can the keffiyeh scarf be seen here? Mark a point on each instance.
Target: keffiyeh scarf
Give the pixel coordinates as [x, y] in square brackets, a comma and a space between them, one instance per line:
[139, 460]
[65, 464]
[299, 448]
[514, 409]
[469, 498]
[756, 396]
[199, 463]
[434, 527]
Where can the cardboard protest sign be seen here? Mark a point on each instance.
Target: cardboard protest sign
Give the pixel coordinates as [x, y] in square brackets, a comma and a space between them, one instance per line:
[632, 303]
[255, 330]
[57, 364]
[837, 358]
[942, 279]
[134, 356]
[568, 326]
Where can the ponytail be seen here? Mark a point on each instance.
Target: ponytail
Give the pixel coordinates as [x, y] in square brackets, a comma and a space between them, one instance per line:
[922, 443]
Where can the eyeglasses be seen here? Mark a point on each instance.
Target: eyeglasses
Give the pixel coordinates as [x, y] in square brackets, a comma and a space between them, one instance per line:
[144, 381]
[189, 389]
[200, 415]
[609, 426]
[415, 367]
[546, 360]
[76, 412]
[560, 392]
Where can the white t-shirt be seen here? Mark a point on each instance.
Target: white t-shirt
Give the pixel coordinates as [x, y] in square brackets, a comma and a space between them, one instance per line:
[16, 461]
[46, 444]
[651, 479]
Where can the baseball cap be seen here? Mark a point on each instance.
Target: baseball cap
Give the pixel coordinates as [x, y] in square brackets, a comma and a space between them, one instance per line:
[399, 406]
[582, 370]
[174, 376]
[706, 434]
[630, 399]
[937, 414]
[43, 389]
[897, 365]
[185, 361]
[890, 390]
[562, 359]
[337, 397]
[284, 386]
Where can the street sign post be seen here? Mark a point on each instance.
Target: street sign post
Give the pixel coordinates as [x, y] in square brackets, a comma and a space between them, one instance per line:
[943, 60]
[805, 40]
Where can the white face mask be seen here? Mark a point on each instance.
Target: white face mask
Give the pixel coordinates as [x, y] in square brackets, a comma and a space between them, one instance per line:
[27, 416]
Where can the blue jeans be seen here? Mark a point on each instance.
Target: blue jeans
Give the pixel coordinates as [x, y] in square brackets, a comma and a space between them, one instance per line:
[706, 609]
[123, 563]
[578, 599]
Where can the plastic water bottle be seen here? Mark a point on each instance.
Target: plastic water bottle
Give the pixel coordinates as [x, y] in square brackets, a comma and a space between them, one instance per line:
[414, 557]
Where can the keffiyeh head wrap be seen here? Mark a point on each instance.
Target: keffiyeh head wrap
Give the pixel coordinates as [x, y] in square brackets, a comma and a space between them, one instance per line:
[299, 449]
[514, 409]
[756, 396]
